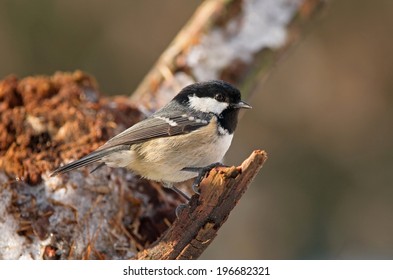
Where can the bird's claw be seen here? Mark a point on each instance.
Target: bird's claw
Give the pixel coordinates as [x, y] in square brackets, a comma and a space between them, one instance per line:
[179, 209]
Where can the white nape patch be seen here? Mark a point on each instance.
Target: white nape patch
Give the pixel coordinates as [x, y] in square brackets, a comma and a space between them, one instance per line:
[222, 131]
[119, 159]
[167, 120]
[207, 104]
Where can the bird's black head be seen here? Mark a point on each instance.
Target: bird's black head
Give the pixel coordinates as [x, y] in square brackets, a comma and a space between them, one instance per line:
[216, 97]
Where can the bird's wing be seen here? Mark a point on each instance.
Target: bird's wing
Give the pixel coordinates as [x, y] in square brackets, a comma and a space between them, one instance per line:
[155, 126]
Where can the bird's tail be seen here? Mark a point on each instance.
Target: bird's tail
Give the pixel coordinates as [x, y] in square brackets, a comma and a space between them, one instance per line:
[93, 157]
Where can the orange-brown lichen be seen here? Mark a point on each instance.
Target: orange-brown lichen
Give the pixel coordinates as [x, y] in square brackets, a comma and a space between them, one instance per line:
[46, 120]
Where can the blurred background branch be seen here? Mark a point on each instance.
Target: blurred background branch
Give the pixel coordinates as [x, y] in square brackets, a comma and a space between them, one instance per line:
[237, 41]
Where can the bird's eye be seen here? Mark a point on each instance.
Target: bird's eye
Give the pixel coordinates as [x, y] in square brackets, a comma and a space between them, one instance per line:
[219, 97]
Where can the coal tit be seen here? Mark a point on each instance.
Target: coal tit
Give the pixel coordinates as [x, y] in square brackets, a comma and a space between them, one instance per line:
[192, 131]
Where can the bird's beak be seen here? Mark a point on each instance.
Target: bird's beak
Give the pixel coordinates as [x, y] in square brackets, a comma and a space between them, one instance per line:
[242, 105]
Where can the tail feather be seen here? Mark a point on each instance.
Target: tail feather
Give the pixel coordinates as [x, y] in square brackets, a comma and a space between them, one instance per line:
[93, 157]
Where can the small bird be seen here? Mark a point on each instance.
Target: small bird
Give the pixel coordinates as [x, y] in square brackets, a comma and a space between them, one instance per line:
[182, 140]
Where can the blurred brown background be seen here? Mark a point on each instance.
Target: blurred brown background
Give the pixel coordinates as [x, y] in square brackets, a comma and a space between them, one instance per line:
[324, 116]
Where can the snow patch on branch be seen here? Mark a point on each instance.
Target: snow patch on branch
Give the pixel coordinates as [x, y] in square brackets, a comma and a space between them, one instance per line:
[262, 24]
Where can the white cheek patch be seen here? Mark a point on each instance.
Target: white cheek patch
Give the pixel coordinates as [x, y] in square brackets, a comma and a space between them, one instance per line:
[207, 104]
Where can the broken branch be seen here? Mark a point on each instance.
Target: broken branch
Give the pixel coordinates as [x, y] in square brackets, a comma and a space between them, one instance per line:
[197, 225]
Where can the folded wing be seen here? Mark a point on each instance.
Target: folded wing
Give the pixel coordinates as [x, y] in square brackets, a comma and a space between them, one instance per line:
[153, 127]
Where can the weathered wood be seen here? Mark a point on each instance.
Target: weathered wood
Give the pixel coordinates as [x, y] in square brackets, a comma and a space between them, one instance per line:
[198, 223]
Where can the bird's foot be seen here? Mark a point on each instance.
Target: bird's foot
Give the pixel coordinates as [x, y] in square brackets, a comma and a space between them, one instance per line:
[202, 171]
